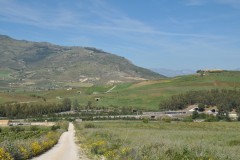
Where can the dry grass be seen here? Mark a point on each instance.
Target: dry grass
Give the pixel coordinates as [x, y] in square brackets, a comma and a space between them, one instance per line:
[149, 82]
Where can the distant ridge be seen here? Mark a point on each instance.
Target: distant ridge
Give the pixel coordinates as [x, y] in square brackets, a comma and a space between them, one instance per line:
[44, 63]
[172, 73]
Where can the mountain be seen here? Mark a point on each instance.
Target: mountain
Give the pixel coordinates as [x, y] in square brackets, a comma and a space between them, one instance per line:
[172, 73]
[45, 63]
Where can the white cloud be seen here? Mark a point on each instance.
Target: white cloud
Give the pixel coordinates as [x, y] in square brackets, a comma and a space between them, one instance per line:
[101, 20]
[97, 16]
[13, 11]
[232, 3]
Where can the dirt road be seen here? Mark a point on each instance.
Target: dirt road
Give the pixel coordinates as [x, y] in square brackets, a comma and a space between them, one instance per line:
[66, 149]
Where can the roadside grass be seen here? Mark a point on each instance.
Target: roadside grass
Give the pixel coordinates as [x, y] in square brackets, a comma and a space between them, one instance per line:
[158, 140]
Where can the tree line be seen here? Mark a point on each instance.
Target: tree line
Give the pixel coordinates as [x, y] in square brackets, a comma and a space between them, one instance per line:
[225, 100]
[24, 110]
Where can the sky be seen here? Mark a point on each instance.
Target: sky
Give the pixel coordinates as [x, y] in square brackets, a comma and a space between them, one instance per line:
[172, 34]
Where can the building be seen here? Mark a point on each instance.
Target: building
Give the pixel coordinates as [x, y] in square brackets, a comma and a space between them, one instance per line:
[4, 122]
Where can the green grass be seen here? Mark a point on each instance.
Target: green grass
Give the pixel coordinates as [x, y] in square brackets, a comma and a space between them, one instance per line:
[4, 73]
[218, 140]
[21, 133]
[143, 95]
[98, 89]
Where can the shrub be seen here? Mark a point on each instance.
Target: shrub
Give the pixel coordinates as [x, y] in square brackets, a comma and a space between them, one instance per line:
[98, 147]
[201, 107]
[145, 120]
[166, 119]
[54, 127]
[195, 115]
[25, 153]
[211, 119]
[110, 154]
[36, 148]
[89, 125]
[34, 128]
[17, 129]
[5, 155]
[234, 143]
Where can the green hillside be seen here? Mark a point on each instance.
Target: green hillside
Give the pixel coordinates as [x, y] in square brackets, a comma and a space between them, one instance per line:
[146, 94]
[47, 66]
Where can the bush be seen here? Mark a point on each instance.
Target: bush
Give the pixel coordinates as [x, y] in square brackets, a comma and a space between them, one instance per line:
[194, 115]
[34, 128]
[166, 119]
[5, 155]
[211, 119]
[145, 120]
[54, 127]
[36, 148]
[63, 125]
[17, 129]
[89, 125]
[201, 107]
[234, 143]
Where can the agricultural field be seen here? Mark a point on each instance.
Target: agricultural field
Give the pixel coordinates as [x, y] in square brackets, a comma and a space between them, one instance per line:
[145, 95]
[24, 142]
[159, 140]
[5, 74]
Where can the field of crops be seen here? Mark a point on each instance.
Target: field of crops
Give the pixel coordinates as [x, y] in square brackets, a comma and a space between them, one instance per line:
[24, 142]
[144, 95]
[159, 140]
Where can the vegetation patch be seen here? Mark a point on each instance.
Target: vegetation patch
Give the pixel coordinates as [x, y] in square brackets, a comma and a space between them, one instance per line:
[21, 143]
[89, 125]
[234, 143]
[225, 100]
[136, 140]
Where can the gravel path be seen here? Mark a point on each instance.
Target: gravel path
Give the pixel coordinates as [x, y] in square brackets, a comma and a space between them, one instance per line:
[66, 149]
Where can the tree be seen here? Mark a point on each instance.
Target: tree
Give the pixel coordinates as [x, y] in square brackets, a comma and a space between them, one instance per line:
[201, 107]
[67, 104]
[75, 105]
[194, 115]
[89, 105]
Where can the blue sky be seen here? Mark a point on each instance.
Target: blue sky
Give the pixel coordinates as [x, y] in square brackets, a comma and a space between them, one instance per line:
[173, 34]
